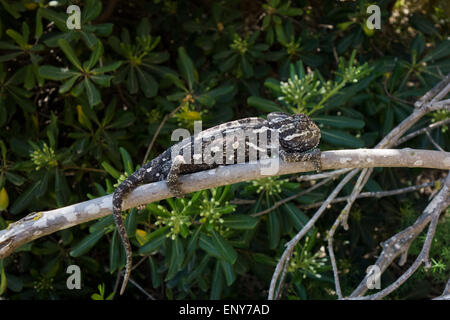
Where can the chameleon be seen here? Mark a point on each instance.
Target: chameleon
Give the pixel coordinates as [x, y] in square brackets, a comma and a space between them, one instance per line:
[295, 135]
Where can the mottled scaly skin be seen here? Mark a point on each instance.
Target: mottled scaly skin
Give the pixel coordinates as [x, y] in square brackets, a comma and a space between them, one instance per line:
[297, 136]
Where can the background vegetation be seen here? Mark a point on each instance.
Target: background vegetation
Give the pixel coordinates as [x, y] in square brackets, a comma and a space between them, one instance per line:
[79, 110]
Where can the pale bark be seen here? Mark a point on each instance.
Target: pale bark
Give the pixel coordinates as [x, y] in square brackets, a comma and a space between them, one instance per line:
[37, 225]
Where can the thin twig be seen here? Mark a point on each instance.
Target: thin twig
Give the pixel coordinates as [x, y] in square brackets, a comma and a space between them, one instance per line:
[420, 131]
[424, 108]
[141, 289]
[322, 175]
[375, 194]
[433, 142]
[288, 199]
[389, 140]
[330, 236]
[139, 262]
[399, 244]
[446, 294]
[150, 146]
[280, 270]
[430, 94]
[391, 96]
[85, 169]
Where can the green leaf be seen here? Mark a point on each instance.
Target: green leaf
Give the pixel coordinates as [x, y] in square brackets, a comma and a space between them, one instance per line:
[176, 258]
[131, 223]
[9, 56]
[92, 9]
[132, 84]
[89, 39]
[441, 51]
[417, 45]
[54, 73]
[37, 189]
[263, 104]
[341, 138]
[186, 67]
[3, 282]
[87, 243]
[388, 122]
[14, 178]
[53, 16]
[38, 26]
[192, 244]
[67, 85]
[226, 251]
[102, 30]
[95, 56]
[102, 223]
[216, 282]
[15, 284]
[70, 54]
[127, 161]
[29, 77]
[221, 91]
[111, 170]
[148, 84]
[125, 120]
[17, 37]
[156, 277]
[108, 68]
[155, 240]
[62, 190]
[176, 81]
[228, 63]
[206, 243]
[206, 100]
[340, 122]
[78, 89]
[247, 68]
[423, 24]
[240, 222]
[273, 229]
[230, 275]
[92, 93]
[297, 217]
[102, 80]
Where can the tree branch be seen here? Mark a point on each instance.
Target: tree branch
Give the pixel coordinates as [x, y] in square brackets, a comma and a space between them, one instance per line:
[39, 224]
[375, 194]
[446, 294]
[399, 245]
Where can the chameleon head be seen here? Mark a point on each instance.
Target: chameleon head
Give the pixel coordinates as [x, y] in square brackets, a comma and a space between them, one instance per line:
[300, 134]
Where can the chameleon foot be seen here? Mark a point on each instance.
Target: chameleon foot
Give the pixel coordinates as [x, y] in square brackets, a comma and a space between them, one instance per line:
[172, 177]
[313, 156]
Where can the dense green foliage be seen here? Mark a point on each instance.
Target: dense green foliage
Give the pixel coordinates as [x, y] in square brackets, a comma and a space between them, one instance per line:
[79, 109]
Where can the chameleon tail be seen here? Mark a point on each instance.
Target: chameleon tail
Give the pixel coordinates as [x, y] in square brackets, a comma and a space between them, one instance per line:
[117, 213]
[122, 190]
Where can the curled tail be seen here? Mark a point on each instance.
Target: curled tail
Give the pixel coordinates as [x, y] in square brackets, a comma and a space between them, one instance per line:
[122, 190]
[117, 213]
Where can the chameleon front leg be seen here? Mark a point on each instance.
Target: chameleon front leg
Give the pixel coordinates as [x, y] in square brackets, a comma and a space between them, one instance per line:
[312, 155]
[173, 175]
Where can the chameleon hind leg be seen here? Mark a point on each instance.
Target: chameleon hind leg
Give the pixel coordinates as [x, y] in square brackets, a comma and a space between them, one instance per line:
[312, 155]
[172, 178]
